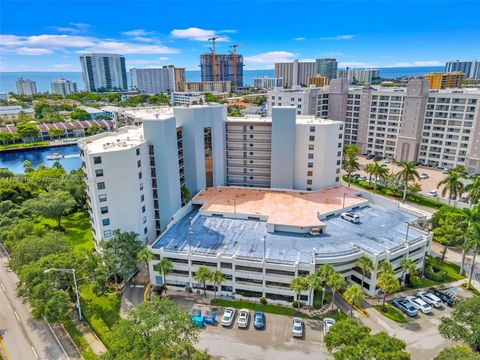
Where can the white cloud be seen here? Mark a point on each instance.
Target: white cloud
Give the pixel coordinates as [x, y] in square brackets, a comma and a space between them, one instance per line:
[73, 28]
[339, 37]
[63, 66]
[416, 63]
[355, 65]
[143, 39]
[59, 40]
[10, 40]
[266, 60]
[137, 32]
[32, 51]
[298, 39]
[198, 34]
[122, 47]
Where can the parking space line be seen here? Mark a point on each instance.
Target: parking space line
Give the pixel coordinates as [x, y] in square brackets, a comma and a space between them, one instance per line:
[16, 315]
[34, 352]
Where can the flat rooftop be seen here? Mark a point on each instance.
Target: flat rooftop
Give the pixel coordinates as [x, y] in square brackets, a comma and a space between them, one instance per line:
[379, 230]
[108, 142]
[281, 207]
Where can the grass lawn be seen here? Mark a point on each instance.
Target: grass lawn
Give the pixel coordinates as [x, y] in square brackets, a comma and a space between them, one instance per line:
[451, 269]
[391, 313]
[79, 340]
[23, 145]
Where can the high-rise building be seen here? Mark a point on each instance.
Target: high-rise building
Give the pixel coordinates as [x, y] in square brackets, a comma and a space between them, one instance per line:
[179, 75]
[445, 81]
[104, 71]
[153, 81]
[295, 73]
[267, 82]
[318, 80]
[211, 86]
[226, 68]
[327, 67]
[359, 76]
[63, 87]
[432, 127]
[471, 69]
[26, 87]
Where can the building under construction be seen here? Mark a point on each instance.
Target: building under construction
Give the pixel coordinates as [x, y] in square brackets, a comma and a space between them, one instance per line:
[222, 67]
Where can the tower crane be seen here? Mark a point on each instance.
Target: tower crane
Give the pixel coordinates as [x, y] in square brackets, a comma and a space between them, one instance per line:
[214, 59]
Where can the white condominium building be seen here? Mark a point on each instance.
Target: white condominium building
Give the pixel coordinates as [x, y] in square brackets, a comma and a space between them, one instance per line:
[26, 87]
[103, 71]
[187, 98]
[295, 72]
[267, 82]
[364, 76]
[156, 81]
[63, 87]
[432, 127]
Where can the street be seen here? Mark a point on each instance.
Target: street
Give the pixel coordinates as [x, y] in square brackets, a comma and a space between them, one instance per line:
[24, 338]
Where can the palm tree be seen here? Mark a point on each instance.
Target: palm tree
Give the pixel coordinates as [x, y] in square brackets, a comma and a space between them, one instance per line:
[353, 295]
[473, 190]
[474, 243]
[407, 174]
[335, 282]
[380, 171]
[27, 166]
[408, 267]
[369, 169]
[202, 275]
[470, 216]
[298, 284]
[313, 283]
[144, 256]
[350, 160]
[324, 272]
[217, 278]
[164, 266]
[388, 282]
[385, 267]
[366, 265]
[452, 185]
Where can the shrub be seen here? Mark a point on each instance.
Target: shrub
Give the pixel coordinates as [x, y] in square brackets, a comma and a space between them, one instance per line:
[435, 274]
[263, 301]
[295, 304]
[415, 281]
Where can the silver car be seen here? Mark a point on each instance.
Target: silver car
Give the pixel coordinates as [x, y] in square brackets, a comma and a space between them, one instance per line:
[430, 299]
[297, 327]
[228, 316]
[243, 318]
[327, 324]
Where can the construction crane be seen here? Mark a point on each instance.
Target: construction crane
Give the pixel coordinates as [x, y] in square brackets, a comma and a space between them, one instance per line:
[234, 47]
[214, 59]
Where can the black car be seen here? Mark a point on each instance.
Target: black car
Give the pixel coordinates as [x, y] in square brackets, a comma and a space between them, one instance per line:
[448, 298]
[370, 156]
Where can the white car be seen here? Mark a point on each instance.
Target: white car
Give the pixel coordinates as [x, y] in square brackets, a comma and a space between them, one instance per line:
[424, 176]
[353, 218]
[243, 318]
[228, 316]
[430, 299]
[297, 327]
[327, 324]
[419, 304]
[433, 193]
[388, 161]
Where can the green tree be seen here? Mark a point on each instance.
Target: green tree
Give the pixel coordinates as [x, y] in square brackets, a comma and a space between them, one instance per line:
[451, 185]
[6, 138]
[473, 191]
[385, 267]
[165, 268]
[313, 283]
[471, 215]
[389, 284]
[408, 267]
[474, 244]
[55, 133]
[407, 174]
[120, 254]
[217, 278]
[80, 114]
[366, 265]
[463, 323]
[202, 275]
[350, 160]
[346, 332]
[157, 329]
[354, 295]
[94, 129]
[380, 171]
[324, 272]
[209, 97]
[369, 169]
[449, 231]
[414, 188]
[144, 256]
[27, 131]
[52, 205]
[27, 166]
[185, 194]
[458, 352]
[53, 305]
[298, 284]
[335, 282]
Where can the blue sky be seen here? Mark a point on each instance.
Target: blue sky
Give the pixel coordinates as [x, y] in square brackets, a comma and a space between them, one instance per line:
[49, 35]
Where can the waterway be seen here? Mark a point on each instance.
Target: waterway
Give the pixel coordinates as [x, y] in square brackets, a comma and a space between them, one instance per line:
[13, 160]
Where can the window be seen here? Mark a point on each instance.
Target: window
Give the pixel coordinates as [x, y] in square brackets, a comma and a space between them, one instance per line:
[97, 159]
[137, 151]
[140, 175]
[142, 198]
[309, 182]
[141, 186]
[99, 172]
[101, 185]
[339, 145]
[310, 156]
[311, 147]
[106, 222]
[139, 163]
[102, 198]
[143, 208]
[312, 128]
[145, 230]
[107, 233]
[311, 138]
[309, 173]
[144, 219]
[104, 209]
[310, 164]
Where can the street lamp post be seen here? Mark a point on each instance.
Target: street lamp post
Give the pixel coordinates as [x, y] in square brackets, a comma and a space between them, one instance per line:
[76, 287]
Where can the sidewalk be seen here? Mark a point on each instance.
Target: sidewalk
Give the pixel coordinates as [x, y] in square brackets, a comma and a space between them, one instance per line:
[92, 340]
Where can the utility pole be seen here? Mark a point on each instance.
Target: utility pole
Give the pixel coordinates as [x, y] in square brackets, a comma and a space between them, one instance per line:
[234, 47]
[214, 58]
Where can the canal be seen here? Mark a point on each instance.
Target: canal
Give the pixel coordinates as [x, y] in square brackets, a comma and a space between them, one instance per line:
[13, 160]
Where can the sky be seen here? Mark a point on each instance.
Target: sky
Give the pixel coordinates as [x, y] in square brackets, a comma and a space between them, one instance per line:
[50, 35]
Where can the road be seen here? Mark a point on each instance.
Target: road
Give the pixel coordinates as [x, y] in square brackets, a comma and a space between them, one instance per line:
[23, 337]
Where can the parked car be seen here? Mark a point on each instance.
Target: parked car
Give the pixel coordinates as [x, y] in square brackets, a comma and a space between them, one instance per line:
[463, 199]
[356, 176]
[430, 299]
[243, 318]
[388, 161]
[228, 316]
[297, 327]
[258, 320]
[419, 304]
[433, 193]
[405, 306]
[370, 156]
[447, 297]
[327, 324]
[378, 157]
[363, 178]
[424, 176]
[352, 217]
[445, 171]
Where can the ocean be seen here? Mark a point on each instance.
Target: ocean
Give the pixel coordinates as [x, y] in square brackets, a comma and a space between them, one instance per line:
[43, 79]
